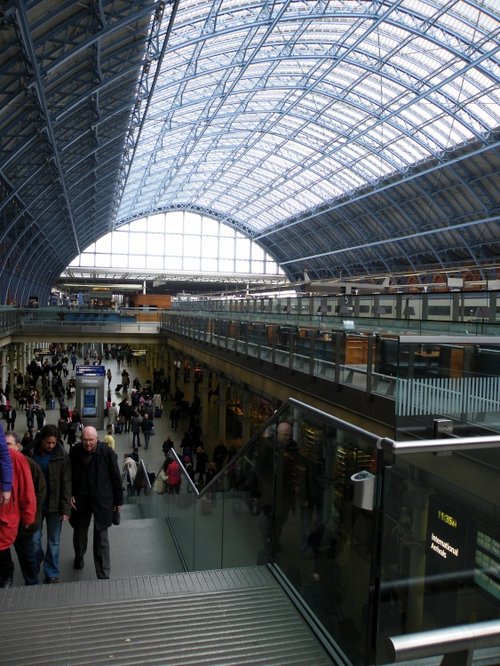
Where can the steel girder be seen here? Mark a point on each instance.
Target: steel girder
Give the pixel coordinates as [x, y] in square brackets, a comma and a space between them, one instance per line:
[344, 136]
[68, 75]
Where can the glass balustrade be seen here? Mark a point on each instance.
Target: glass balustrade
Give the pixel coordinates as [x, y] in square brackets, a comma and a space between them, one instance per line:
[427, 377]
[373, 540]
[439, 537]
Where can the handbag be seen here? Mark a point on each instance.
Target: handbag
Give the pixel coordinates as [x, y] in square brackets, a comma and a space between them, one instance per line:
[116, 517]
[159, 486]
[163, 476]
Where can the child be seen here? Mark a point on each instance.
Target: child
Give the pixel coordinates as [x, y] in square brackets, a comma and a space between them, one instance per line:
[108, 437]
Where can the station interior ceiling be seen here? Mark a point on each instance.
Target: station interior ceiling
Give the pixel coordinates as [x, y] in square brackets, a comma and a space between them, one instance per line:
[353, 141]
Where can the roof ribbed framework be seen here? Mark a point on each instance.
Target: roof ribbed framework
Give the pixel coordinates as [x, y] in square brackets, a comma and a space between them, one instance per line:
[349, 138]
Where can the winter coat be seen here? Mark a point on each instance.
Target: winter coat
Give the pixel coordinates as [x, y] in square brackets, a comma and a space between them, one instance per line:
[147, 425]
[59, 486]
[113, 414]
[135, 424]
[21, 507]
[130, 469]
[97, 484]
[174, 473]
[40, 487]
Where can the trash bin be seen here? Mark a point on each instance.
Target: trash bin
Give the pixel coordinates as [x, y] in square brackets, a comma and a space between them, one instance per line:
[363, 486]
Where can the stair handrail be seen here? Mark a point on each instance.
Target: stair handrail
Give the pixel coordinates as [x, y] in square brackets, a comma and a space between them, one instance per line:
[459, 641]
[273, 420]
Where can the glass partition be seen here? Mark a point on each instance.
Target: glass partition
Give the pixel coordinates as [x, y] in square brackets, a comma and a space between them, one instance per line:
[444, 384]
[440, 549]
[375, 538]
[286, 499]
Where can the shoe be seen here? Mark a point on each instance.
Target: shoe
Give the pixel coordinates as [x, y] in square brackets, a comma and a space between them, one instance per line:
[6, 583]
[50, 580]
[103, 577]
[78, 563]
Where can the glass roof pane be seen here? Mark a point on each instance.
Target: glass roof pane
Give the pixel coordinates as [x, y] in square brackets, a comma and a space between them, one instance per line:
[261, 112]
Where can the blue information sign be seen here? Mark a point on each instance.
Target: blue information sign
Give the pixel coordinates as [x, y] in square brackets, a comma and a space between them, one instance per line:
[90, 371]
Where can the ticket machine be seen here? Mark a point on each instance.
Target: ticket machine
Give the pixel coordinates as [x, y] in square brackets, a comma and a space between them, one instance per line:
[90, 394]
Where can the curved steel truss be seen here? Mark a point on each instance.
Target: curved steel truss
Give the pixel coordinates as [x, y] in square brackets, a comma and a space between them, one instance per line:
[349, 138]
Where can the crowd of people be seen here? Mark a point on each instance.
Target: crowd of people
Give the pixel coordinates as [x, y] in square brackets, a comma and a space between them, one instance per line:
[42, 484]
[42, 488]
[72, 476]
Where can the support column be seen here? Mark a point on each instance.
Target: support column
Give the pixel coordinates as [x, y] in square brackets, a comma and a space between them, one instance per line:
[27, 358]
[27, 352]
[12, 366]
[245, 404]
[189, 385]
[157, 357]
[166, 362]
[223, 385]
[176, 372]
[208, 433]
[17, 362]
[3, 363]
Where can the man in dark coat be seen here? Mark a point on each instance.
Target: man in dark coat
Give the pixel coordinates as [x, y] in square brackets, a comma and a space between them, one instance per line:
[10, 417]
[98, 492]
[147, 427]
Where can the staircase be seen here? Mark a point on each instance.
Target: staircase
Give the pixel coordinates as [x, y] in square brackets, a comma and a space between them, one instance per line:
[142, 616]
[233, 616]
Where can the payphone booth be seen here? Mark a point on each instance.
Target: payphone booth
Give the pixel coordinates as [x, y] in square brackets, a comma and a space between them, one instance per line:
[90, 394]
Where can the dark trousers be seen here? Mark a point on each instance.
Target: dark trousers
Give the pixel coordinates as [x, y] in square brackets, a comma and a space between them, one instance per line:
[102, 560]
[6, 565]
[25, 549]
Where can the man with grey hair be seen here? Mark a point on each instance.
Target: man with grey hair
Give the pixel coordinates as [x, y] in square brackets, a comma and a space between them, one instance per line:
[97, 492]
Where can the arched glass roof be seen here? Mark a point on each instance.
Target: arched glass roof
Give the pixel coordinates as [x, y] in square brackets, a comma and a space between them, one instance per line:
[166, 245]
[346, 137]
[262, 111]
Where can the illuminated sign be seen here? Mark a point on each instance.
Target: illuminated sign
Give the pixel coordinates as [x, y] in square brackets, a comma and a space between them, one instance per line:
[90, 371]
[443, 548]
[446, 537]
[487, 563]
[446, 518]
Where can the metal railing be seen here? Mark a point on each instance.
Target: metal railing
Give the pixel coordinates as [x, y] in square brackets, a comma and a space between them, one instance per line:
[457, 644]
